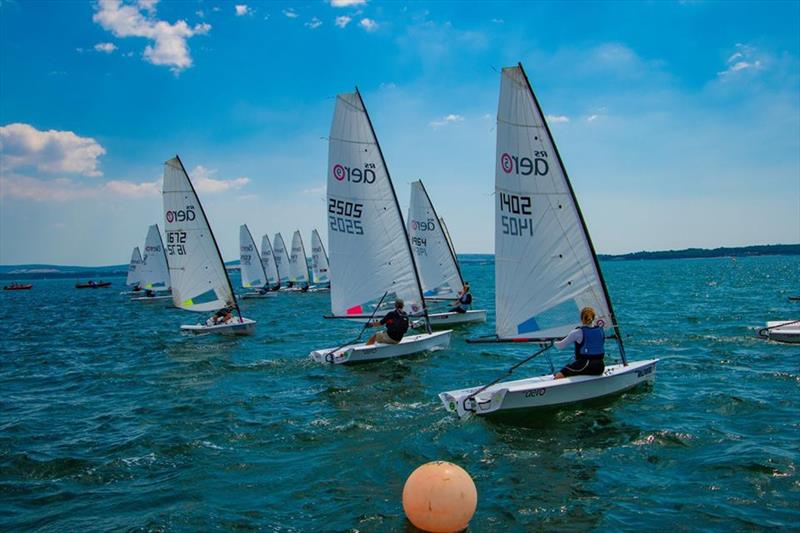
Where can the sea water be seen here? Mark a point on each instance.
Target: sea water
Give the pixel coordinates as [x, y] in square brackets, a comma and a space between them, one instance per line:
[110, 419]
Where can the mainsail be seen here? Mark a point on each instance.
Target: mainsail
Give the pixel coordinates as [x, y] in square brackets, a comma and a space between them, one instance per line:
[199, 279]
[319, 260]
[298, 263]
[436, 261]
[252, 269]
[268, 260]
[452, 248]
[281, 258]
[367, 240]
[545, 266]
[155, 271]
[134, 268]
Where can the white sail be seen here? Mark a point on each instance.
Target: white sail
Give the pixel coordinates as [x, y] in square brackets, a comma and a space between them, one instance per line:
[319, 260]
[199, 279]
[134, 268]
[450, 244]
[268, 260]
[437, 265]
[281, 258]
[367, 240]
[155, 271]
[545, 267]
[298, 263]
[252, 270]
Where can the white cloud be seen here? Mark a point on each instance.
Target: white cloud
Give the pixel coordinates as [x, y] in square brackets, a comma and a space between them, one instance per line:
[200, 13]
[66, 190]
[105, 47]
[592, 118]
[51, 151]
[314, 190]
[745, 57]
[498, 21]
[136, 190]
[314, 23]
[204, 182]
[449, 119]
[169, 41]
[555, 119]
[290, 13]
[343, 21]
[368, 24]
[347, 3]
[242, 10]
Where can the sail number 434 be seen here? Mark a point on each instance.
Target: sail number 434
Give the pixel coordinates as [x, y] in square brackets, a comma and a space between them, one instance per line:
[519, 220]
[345, 216]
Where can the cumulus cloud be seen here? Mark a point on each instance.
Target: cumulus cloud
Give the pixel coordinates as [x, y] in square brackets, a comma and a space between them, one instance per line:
[51, 151]
[105, 47]
[242, 10]
[168, 41]
[347, 3]
[314, 23]
[314, 190]
[67, 190]
[290, 13]
[444, 121]
[343, 21]
[555, 119]
[368, 24]
[745, 57]
[132, 189]
[203, 180]
[592, 118]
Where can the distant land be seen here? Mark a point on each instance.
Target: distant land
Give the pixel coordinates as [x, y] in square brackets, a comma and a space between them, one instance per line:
[40, 271]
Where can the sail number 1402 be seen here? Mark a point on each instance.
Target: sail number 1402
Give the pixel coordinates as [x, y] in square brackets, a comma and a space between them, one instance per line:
[345, 216]
[519, 220]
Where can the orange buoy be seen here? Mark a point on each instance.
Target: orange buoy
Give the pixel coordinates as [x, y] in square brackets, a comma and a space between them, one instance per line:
[440, 497]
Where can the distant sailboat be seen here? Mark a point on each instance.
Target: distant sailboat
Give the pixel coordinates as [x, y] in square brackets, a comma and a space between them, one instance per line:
[268, 260]
[319, 264]
[298, 263]
[546, 269]
[254, 276]
[154, 271]
[436, 260]
[134, 279]
[370, 255]
[200, 281]
[281, 259]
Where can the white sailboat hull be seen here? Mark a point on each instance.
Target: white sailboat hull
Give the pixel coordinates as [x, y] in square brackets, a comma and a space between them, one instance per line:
[236, 327]
[256, 295]
[410, 344]
[544, 391]
[777, 331]
[152, 299]
[453, 318]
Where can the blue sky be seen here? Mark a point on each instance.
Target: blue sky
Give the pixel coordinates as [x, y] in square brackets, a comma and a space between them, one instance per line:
[679, 122]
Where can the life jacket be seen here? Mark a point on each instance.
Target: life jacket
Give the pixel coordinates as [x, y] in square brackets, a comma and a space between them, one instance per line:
[397, 326]
[465, 299]
[593, 344]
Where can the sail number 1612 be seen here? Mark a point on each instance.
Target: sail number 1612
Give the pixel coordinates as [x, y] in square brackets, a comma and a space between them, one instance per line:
[519, 220]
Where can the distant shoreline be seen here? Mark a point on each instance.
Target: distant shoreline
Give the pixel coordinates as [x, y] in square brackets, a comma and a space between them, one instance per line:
[41, 271]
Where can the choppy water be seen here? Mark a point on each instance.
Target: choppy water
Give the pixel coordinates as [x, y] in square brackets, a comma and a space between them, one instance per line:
[111, 420]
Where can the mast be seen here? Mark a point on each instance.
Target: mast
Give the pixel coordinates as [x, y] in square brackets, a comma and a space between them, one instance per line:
[444, 233]
[213, 238]
[399, 215]
[580, 217]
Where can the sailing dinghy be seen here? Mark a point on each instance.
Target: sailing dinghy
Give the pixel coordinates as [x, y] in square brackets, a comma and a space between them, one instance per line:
[298, 264]
[134, 279]
[268, 260]
[370, 254]
[438, 267]
[200, 281]
[254, 276]
[319, 264]
[281, 261]
[155, 271]
[546, 269]
[786, 331]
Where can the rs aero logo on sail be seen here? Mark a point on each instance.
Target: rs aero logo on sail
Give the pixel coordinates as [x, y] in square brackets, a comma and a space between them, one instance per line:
[525, 166]
[423, 225]
[353, 174]
[182, 215]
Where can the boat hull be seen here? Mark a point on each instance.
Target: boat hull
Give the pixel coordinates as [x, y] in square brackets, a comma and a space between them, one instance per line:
[152, 299]
[546, 392]
[256, 295]
[245, 327]
[411, 344]
[454, 319]
[17, 288]
[94, 286]
[775, 331]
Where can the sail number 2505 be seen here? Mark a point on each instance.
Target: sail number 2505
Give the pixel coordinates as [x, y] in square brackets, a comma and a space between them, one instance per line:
[519, 219]
[344, 216]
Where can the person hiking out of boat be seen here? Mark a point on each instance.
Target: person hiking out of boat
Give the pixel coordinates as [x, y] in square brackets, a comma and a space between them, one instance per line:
[396, 322]
[589, 340]
[464, 300]
[221, 317]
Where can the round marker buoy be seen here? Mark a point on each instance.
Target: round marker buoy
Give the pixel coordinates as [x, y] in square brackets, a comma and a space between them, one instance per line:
[440, 497]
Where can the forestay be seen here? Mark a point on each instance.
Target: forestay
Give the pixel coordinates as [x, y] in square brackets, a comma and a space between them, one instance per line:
[369, 249]
[546, 269]
[134, 268]
[268, 260]
[298, 263]
[319, 260]
[199, 279]
[155, 271]
[252, 270]
[281, 258]
[435, 259]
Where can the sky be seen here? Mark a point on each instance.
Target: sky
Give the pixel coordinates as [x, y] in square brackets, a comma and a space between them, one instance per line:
[678, 122]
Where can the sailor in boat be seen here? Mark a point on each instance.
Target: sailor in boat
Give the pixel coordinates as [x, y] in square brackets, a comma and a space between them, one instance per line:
[464, 300]
[149, 293]
[589, 340]
[396, 322]
[223, 316]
